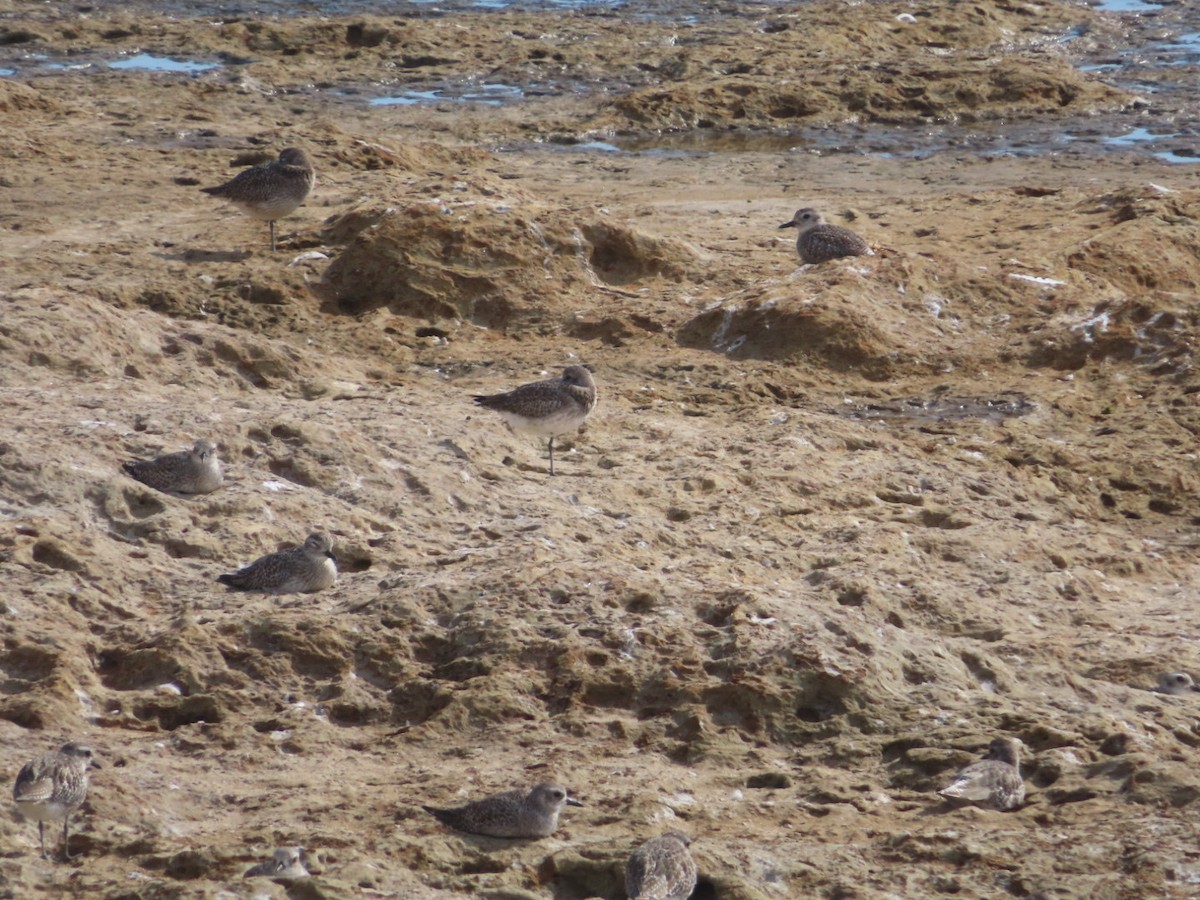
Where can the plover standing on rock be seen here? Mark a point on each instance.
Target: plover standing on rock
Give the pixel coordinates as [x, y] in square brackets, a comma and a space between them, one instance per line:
[994, 782]
[304, 569]
[820, 242]
[512, 814]
[547, 408]
[195, 471]
[53, 786]
[271, 190]
[661, 869]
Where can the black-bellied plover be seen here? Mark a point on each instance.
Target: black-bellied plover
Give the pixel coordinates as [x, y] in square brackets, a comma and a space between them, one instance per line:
[309, 567]
[195, 471]
[661, 869]
[53, 786]
[547, 408]
[994, 782]
[820, 242]
[1175, 683]
[286, 862]
[271, 190]
[512, 814]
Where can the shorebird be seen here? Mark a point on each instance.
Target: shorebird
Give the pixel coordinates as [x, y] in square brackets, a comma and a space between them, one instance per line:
[285, 862]
[512, 814]
[547, 408]
[271, 190]
[1175, 683]
[819, 242]
[994, 782]
[309, 567]
[661, 869]
[195, 471]
[53, 786]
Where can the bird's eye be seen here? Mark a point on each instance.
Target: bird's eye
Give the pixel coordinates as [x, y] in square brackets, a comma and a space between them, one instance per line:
[558, 795]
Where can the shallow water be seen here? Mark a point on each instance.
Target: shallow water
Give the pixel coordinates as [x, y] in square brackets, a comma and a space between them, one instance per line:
[149, 63]
[492, 94]
[1159, 61]
[243, 8]
[1126, 6]
[41, 64]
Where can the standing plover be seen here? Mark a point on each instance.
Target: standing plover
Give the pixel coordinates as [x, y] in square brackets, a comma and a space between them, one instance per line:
[994, 782]
[512, 814]
[285, 862]
[547, 408]
[272, 190]
[195, 471]
[1175, 683]
[53, 786]
[661, 869]
[820, 242]
[309, 567]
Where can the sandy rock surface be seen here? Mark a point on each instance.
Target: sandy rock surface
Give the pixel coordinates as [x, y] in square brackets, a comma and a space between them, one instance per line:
[830, 530]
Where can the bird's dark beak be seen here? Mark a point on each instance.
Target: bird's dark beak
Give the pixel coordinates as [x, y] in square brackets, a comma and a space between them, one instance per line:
[791, 224]
[95, 764]
[571, 801]
[329, 553]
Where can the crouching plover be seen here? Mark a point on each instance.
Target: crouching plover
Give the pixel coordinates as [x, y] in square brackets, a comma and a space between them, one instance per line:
[195, 471]
[309, 567]
[1175, 683]
[820, 242]
[661, 869]
[994, 782]
[53, 786]
[286, 862]
[512, 814]
[272, 190]
[547, 408]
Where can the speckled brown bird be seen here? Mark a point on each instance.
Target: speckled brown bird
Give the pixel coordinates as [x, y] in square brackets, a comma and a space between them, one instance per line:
[994, 782]
[53, 786]
[195, 471]
[819, 242]
[512, 814]
[272, 190]
[304, 569]
[661, 869]
[547, 408]
[286, 862]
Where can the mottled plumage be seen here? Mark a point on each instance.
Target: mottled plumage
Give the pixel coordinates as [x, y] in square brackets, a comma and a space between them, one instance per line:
[1175, 683]
[661, 869]
[309, 567]
[286, 862]
[272, 190]
[513, 814]
[195, 471]
[820, 242]
[547, 408]
[994, 782]
[53, 786]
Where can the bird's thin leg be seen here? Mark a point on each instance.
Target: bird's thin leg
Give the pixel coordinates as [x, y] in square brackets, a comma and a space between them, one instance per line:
[67, 837]
[551, 454]
[271, 223]
[42, 837]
